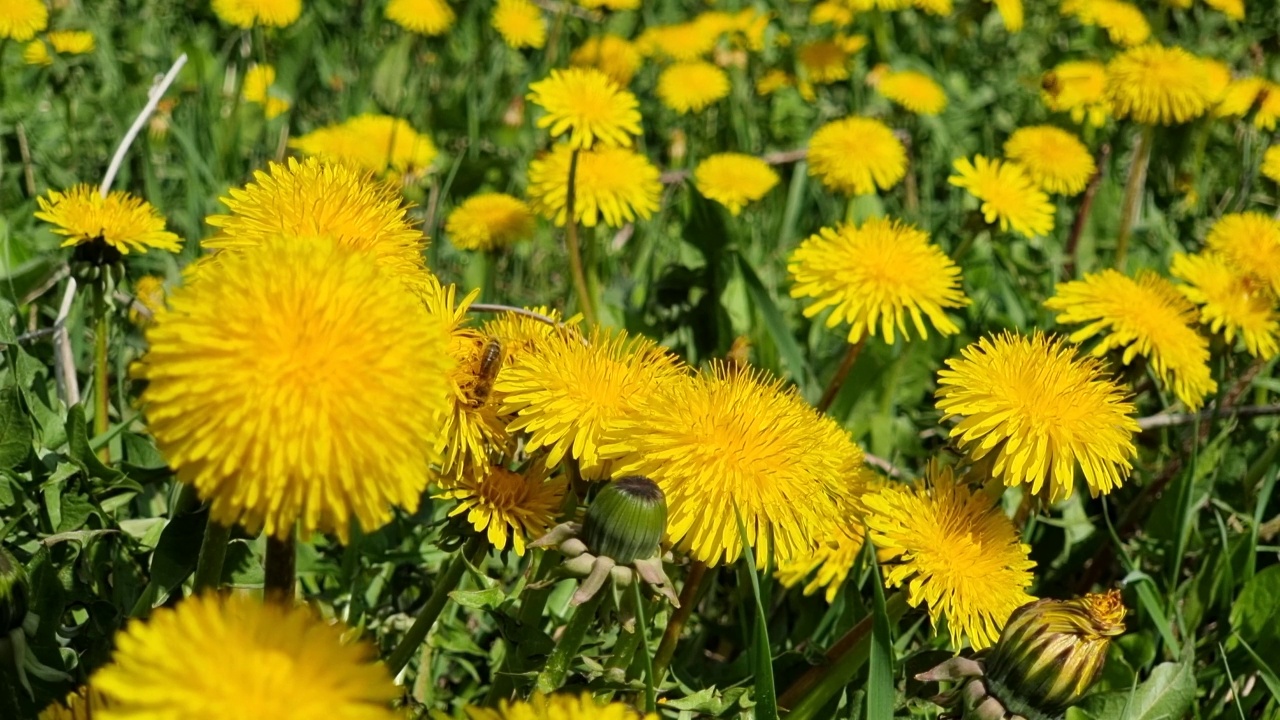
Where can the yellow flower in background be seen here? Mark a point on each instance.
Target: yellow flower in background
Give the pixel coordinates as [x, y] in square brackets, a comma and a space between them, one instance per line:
[295, 385]
[1011, 13]
[22, 19]
[831, 12]
[83, 703]
[829, 565]
[149, 292]
[563, 706]
[64, 42]
[729, 440]
[610, 4]
[1156, 85]
[874, 276]
[489, 221]
[216, 657]
[912, 90]
[378, 143]
[1146, 316]
[425, 17]
[934, 7]
[1007, 194]
[613, 184]
[823, 62]
[122, 221]
[773, 81]
[1230, 302]
[612, 55]
[1124, 22]
[257, 89]
[248, 13]
[1078, 88]
[734, 179]
[692, 86]
[502, 503]
[520, 23]
[1036, 412]
[36, 52]
[588, 105]
[1250, 241]
[1053, 157]
[856, 155]
[1271, 163]
[1233, 9]
[955, 552]
[1251, 94]
[569, 393]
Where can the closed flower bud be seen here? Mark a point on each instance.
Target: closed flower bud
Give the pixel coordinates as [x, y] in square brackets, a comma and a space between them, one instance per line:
[13, 593]
[626, 520]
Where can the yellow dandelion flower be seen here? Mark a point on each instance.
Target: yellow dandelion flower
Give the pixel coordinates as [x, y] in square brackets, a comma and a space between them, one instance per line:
[681, 42]
[63, 42]
[21, 19]
[829, 565]
[248, 13]
[36, 52]
[773, 81]
[748, 28]
[831, 12]
[913, 90]
[934, 7]
[563, 706]
[1268, 109]
[734, 179]
[692, 86]
[122, 221]
[374, 142]
[1241, 96]
[489, 221]
[1219, 78]
[1078, 88]
[1036, 412]
[613, 184]
[823, 62]
[500, 502]
[1230, 302]
[425, 17]
[1271, 163]
[588, 105]
[1053, 157]
[257, 89]
[610, 4]
[1146, 316]
[149, 292]
[213, 657]
[855, 155]
[568, 394]
[1124, 22]
[1011, 13]
[294, 384]
[729, 441]
[612, 55]
[874, 276]
[1156, 85]
[1007, 194]
[520, 23]
[84, 703]
[1233, 9]
[955, 552]
[1251, 242]
[522, 334]
[313, 198]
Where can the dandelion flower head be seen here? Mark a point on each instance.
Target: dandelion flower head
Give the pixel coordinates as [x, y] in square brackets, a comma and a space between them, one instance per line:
[1078, 88]
[1271, 163]
[856, 155]
[1055, 158]
[563, 706]
[680, 42]
[1250, 241]
[1007, 193]
[523, 334]
[828, 566]
[1157, 85]
[612, 55]
[248, 13]
[378, 143]
[22, 19]
[502, 503]
[122, 221]
[910, 89]
[823, 62]
[425, 17]
[489, 221]
[63, 42]
[734, 179]
[1124, 22]
[257, 89]
[613, 184]
[1230, 302]
[588, 105]
[520, 23]
[692, 86]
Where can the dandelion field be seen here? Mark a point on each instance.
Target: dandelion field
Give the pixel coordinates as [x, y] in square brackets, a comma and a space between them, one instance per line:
[550, 360]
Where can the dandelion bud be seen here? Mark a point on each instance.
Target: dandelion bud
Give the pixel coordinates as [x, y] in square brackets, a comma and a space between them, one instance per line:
[13, 593]
[627, 520]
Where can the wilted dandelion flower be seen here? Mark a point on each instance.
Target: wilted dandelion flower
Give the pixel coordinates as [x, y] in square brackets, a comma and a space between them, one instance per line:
[520, 23]
[732, 441]
[122, 221]
[1251, 242]
[855, 155]
[374, 142]
[295, 384]
[823, 62]
[612, 55]
[489, 221]
[1230, 302]
[874, 276]
[1146, 316]
[588, 105]
[828, 566]
[954, 550]
[425, 17]
[248, 13]
[502, 503]
[1124, 22]
[913, 90]
[217, 657]
[1055, 158]
[1271, 163]
[1079, 88]
[22, 19]
[1007, 194]
[1039, 412]
[734, 179]
[1156, 85]
[692, 86]
[563, 706]
[613, 184]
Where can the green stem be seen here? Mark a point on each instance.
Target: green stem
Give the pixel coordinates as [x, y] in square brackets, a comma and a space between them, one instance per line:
[671, 636]
[431, 610]
[566, 650]
[842, 372]
[642, 622]
[101, 391]
[575, 249]
[213, 552]
[1133, 189]
[281, 567]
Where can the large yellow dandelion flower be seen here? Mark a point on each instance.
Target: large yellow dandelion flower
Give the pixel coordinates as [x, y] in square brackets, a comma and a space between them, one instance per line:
[570, 392]
[1271, 163]
[733, 442]
[954, 550]
[425, 17]
[588, 105]
[1078, 88]
[1124, 22]
[734, 179]
[1230, 302]
[124, 222]
[374, 142]
[855, 155]
[294, 384]
[1147, 317]
[216, 657]
[874, 276]
[1039, 412]
[1251, 242]
[247, 13]
[823, 62]
[489, 221]
[913, 90]
[613, 184]
[692, 86]
[1007, 194]
[1055, 158]
[520, 23]
[22, 19]
[502, 503]
[563, 706]
[1156, 85]
[829, 565]
[612, 55]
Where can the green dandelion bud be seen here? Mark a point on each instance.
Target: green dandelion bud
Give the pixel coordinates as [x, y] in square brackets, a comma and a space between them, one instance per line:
[627, 520]
[13, 592]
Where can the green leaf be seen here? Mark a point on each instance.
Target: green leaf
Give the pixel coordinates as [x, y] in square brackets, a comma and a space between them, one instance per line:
[1166, 695]
[175, 555]
[15, 429]
[243, 564]
[880, 693]
[82, 454]
[778, 328]
[391, 75]
[761, 657]
[1256, 614]
[75, 511]
[485, 599]
[1269, 677]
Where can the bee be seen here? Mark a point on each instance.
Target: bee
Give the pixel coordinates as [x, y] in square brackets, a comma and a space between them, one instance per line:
[1050, 83]
[490, 363]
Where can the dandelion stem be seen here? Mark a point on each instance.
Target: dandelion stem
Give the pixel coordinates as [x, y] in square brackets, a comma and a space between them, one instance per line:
[101, 363]
[642, 623]
[213, 551]
[842, 372]
[1133, 192]
[1086, 207]
[435, 604]
[688, 598]
[281, 566]
[575, 249]
[557, 667]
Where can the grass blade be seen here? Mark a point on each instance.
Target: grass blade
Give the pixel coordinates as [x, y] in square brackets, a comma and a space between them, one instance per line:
[761, 657]
[880, 693]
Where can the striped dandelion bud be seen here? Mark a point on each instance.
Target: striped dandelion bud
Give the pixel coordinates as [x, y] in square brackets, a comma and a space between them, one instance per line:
[626, 520]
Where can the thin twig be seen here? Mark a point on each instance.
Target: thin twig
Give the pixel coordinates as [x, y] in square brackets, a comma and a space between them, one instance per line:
[1168, 419]
[884, 466]
[781, 157]
[154, 95]
[65, 363]
[494, 308]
